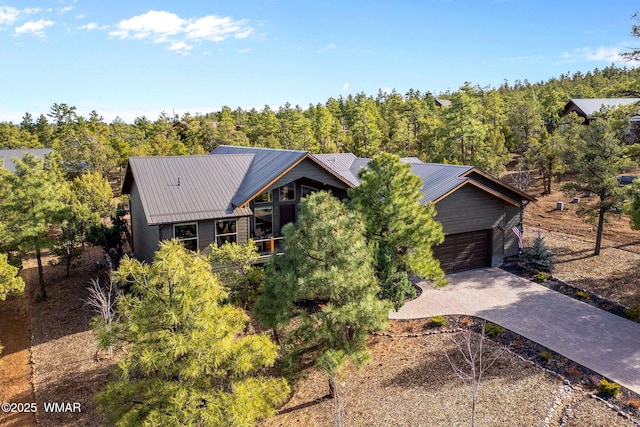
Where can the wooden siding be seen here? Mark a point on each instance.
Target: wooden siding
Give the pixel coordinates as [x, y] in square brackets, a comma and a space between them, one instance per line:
[309, 169]
[206, 231]
[145, 237]
[512, 218]
[469, 209]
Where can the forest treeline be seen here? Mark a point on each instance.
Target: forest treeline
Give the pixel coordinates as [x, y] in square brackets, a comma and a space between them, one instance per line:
[482, 126]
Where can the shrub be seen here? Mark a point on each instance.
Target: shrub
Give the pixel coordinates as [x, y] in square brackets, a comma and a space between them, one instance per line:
[438, 321]
[609, 388]
[493, 330]
[545, 355]
[583, 294]
[632, 313]
[538, 257]
[541, 276]
[634, 403]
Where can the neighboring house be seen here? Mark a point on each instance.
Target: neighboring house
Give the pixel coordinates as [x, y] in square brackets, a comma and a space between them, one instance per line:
[241, 193]
[7, 156]
[587, 107]
[440, 102]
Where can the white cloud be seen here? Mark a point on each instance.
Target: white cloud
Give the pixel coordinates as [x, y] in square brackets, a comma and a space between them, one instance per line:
[66, 9]
[245, 50]
[346, 86]
[92, 26]
[166, 27]
[601, 54]
[330, 46]
[34, 27]
[8, 15]
[181, 47]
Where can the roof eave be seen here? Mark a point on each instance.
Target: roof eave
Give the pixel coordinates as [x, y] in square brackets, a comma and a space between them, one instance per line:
[497, 181]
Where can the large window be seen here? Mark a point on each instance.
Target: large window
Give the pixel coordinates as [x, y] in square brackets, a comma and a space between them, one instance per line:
[263, 198]
[226, 231]
[187, 234]
[263, 221]
[287, 192]
[306, 190]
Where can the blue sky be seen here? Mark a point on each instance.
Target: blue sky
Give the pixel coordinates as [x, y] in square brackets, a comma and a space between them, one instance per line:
[133, 58]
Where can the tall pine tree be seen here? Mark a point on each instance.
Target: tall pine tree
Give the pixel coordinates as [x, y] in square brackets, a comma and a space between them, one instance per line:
[189, 360]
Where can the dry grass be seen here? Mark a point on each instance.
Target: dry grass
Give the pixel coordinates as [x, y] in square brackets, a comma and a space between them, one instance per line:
[409, 382]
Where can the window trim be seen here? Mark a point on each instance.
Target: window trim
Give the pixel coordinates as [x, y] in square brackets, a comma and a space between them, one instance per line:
[196, 238]
[255, 218]
[302, 187]
[280, 199]
[260, 202]
[217, 235]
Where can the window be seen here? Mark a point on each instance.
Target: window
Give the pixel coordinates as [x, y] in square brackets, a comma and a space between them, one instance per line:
[263, 198]
[226, 231]
[263, 222]
[288, 192]
[306, 190]
[187, 234]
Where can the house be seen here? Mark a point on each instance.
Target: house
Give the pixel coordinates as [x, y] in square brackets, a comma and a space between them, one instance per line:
[7, 156]
[241, 193]
[441, 102]
[587, 107]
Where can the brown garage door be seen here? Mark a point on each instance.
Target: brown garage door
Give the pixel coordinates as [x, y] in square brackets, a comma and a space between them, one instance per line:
[464, 251]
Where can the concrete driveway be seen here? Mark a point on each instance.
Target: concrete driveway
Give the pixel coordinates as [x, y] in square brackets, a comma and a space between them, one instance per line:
[598, 340]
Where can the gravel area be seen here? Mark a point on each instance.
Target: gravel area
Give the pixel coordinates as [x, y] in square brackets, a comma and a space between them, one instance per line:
[409, 382]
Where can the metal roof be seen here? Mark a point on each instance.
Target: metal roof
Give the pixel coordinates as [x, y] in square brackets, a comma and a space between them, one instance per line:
[437, 179]
[267, 165]
[7, 156]
[188, 188]
[590, 106]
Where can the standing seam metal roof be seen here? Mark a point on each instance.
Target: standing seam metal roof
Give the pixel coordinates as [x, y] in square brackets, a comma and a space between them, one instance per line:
[189, 188]
[8, 155]
[437, 179]
[266, 166]
[589, 106]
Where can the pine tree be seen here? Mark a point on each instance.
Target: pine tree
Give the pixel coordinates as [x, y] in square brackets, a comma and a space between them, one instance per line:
[599, 157]
[189, 360]
[388, 198]
[320, 296]
[538, 257]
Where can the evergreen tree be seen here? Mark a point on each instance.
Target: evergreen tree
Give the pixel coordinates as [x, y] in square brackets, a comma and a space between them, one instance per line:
[388, 199]
[538, 257]
[10, 282]
[189, 360]
[320, 296]
[35, 201]
[599, 158]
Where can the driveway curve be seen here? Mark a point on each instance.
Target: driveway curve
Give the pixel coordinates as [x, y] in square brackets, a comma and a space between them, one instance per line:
[601, 341]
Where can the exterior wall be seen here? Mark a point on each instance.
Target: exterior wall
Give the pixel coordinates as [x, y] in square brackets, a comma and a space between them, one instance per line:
[471, 209]
[145, 237]
[206, 232]
[512, 214]
[309, 169]
[339, 192]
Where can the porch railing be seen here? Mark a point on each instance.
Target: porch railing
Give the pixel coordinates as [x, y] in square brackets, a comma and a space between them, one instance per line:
[270, 246]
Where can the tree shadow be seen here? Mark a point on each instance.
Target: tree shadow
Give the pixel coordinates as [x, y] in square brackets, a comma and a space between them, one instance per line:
[19, 419]
[79, 390]
[304, 405]
[63, 312]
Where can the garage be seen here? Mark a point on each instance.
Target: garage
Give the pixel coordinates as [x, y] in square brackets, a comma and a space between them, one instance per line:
[464, 251]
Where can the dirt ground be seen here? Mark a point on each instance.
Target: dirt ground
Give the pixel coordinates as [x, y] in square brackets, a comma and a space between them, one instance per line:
[614, 274]
[50, 353]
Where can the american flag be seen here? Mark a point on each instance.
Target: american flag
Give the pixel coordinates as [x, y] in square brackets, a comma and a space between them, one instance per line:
[518, 233]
